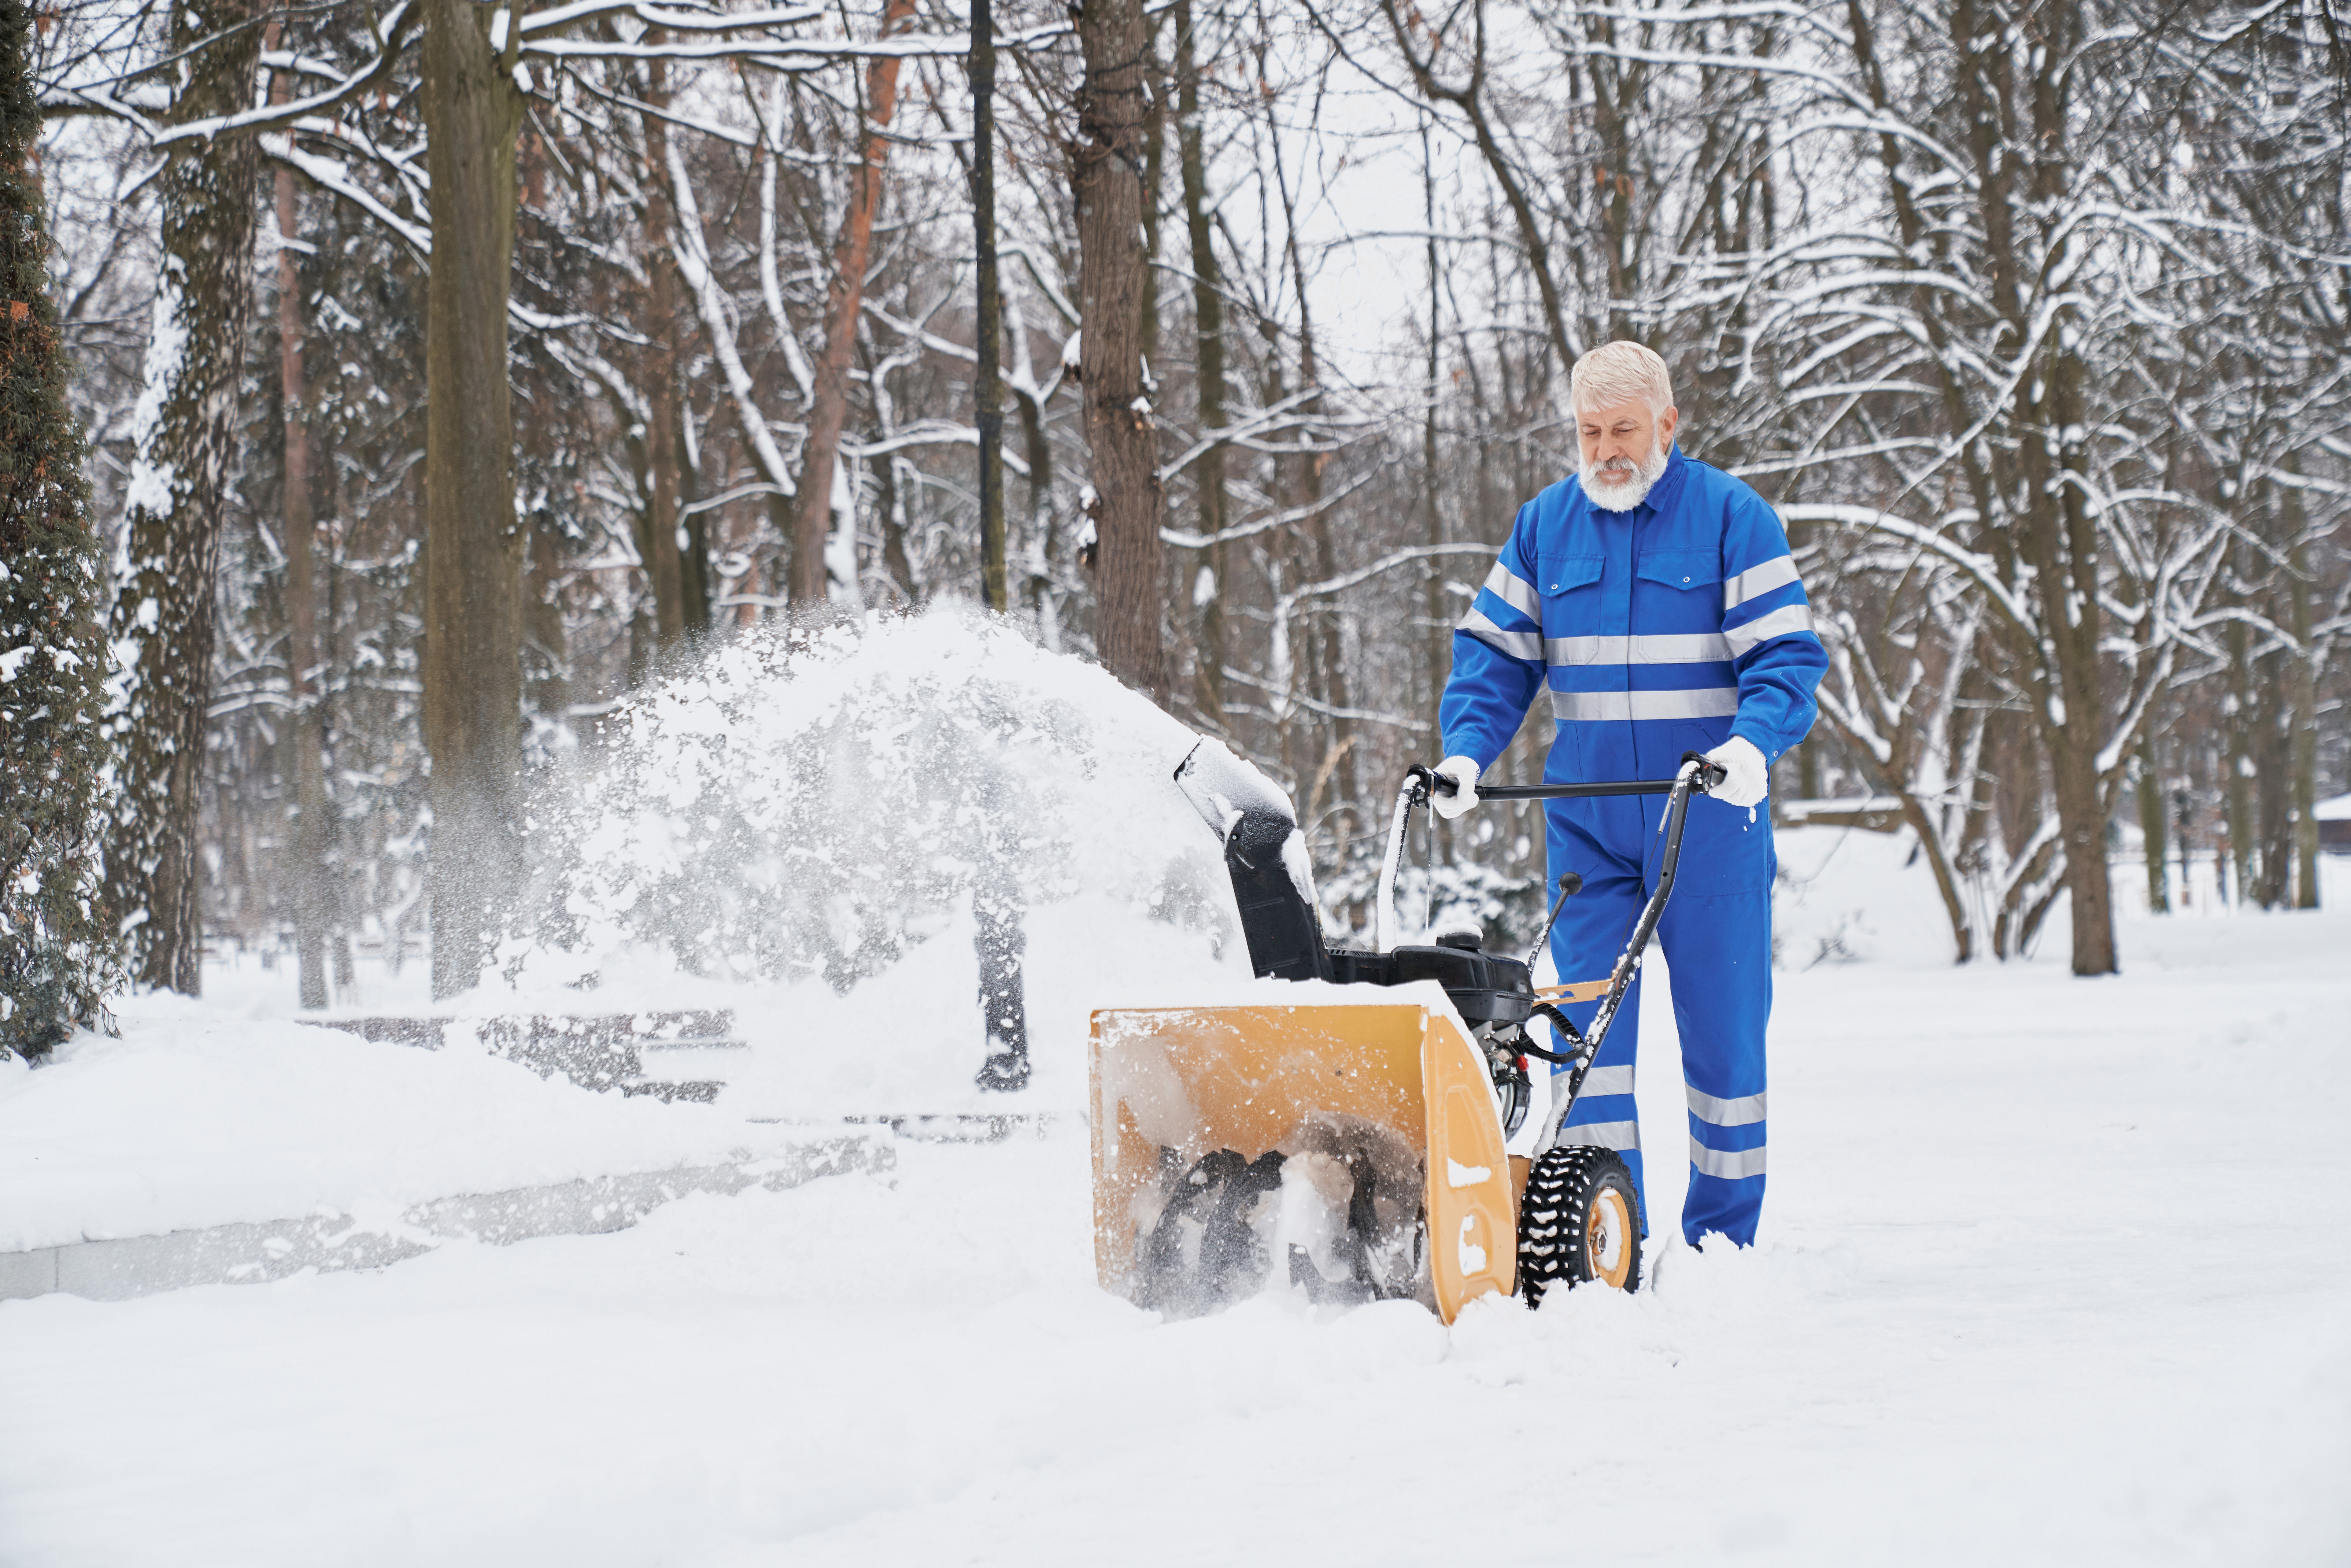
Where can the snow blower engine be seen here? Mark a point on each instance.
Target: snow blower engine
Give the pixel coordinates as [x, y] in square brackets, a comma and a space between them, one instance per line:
[1355, 1138]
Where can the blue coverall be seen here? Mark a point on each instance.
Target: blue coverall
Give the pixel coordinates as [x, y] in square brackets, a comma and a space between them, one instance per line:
[1663, 630]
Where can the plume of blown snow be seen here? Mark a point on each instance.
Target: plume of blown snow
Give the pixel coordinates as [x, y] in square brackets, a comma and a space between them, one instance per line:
[807, 815]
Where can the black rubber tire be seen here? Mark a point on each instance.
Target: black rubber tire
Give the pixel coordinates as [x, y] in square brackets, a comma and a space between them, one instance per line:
[1555, 1218]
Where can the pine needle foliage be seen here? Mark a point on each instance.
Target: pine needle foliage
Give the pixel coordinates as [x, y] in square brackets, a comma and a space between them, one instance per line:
[55, 954]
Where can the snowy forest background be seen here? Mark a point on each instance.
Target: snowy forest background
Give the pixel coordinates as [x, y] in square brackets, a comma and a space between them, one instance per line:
[2031, 317]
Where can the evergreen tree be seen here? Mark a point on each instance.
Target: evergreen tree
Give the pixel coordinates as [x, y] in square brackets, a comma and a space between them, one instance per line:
[55, 954]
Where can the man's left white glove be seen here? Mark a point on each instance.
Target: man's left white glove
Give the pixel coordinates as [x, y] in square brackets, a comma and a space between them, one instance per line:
[1464, 773]
[1747, 776]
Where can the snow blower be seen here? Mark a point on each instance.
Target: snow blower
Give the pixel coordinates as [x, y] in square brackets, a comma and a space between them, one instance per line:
[1356, 1138]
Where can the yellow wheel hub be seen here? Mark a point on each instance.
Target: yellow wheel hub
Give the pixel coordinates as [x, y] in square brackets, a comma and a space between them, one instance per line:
[1608, 1238]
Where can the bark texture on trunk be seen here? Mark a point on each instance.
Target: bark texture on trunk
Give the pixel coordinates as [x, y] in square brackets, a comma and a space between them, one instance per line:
[1107, 182]
[473, 540]
[2059, 538]
[995, 591]
[665, 564]
[56, 945]
[2151, 826]
[2237, 727]
[843, 303]
[2304, 683]
[1208, 363]
[313, 838]
[185, 432]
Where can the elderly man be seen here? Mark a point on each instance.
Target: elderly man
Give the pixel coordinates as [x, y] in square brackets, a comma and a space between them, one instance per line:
[1655, 597]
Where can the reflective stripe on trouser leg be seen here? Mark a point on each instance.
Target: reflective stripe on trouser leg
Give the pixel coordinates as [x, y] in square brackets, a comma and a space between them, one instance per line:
[1585, 942]
[1720, 951]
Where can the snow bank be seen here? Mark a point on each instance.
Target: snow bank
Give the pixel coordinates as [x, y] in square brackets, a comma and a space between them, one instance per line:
[189, 1121]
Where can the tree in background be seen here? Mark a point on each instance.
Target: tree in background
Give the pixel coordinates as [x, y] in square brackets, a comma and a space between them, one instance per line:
[56, 947]
[1106, 179]
[473, 541]
[1327, 481]
[186, 435]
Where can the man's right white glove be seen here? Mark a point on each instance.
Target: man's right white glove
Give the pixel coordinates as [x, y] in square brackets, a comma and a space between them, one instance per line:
[1748, 777]
[1464, 774]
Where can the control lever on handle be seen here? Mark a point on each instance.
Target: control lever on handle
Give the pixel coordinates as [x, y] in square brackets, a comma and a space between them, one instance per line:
[1568, 887]
[1710, 775]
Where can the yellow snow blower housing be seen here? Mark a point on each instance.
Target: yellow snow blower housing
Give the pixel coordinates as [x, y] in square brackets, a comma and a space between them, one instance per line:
[1384, 1109]
[1353, 1143]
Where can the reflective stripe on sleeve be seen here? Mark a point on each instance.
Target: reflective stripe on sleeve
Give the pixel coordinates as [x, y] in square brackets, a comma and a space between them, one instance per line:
[1618, 1135]
[1757, 581]
[1742, 1111]
[1702, 702]
[1687, 648]
[1527, 645]
[1514, 591]
[1728, 1165]
[1780, 622]
[1607, 1080]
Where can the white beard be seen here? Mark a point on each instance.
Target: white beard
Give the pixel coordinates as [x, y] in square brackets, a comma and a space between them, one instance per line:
[1620, 489]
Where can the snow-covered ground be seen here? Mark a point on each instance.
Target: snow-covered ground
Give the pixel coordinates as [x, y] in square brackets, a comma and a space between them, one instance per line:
[192, 1120]
[2053, 1271]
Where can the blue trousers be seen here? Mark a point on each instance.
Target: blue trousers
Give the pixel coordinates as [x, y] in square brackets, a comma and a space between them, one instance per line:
[1717, 936]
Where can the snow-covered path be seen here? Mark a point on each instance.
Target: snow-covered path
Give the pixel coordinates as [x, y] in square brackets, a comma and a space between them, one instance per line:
[2054, 1271]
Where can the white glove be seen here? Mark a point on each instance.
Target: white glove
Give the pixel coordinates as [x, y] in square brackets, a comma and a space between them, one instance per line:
[1464, 773]
[1747, 776]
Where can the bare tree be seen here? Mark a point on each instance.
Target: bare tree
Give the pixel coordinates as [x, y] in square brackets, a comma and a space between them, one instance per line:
[163, 608]
[1106, 182]
[844, 307]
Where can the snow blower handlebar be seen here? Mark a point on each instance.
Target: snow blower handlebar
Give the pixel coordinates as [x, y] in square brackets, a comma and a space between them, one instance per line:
[1695, 776]
[1420, 780]
[1710, 775]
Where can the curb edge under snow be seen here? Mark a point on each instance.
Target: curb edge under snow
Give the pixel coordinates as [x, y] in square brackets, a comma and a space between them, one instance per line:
[119, 1269]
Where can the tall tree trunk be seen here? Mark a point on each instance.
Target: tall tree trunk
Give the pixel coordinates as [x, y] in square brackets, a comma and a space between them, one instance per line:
[1037, 589]
[185, 431]
[665, 564]
[2304, 685]
[2272, 788]
[2059, 538]
[1155, 174]
[2150, 825]
[988, 384]
[843, 304]
[56, 943]
[313, 841]
[693, 527]
[2053, 530]
[1106, 180]
[549, 695]
[2236, 725]
[1208, 361]
[472, 543]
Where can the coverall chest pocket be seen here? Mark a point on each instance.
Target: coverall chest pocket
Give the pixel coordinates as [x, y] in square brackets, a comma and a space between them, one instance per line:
[1688, 570]
[1571, 589]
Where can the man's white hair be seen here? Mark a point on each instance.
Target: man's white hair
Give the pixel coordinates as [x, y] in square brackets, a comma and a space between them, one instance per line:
[1619, 372]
